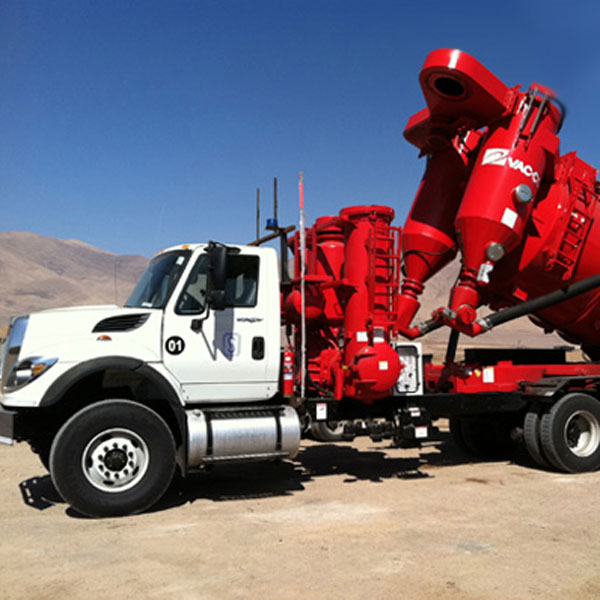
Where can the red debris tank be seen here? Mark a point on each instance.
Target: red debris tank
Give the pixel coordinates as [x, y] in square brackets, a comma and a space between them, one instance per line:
[563, 246]
[528, 222]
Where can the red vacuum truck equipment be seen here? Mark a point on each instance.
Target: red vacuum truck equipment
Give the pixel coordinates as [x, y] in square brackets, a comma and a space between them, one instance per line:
[524, 219]
[191, 372]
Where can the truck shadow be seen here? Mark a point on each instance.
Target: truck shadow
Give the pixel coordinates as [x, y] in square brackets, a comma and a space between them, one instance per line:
[265, 480]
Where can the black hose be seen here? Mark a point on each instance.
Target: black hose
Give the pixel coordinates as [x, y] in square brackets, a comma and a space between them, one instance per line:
[451, 347]
[546, 301]
[429, 326]
[316, 386]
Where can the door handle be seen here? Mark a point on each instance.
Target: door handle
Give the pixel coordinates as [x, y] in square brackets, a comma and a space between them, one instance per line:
[196, 325]
[258, 348]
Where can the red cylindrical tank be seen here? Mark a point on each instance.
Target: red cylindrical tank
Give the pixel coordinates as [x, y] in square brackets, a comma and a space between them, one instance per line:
[500, 194]
[428, 237]
[371, 365]
[315, 303]
[323, 298]
[329, 247]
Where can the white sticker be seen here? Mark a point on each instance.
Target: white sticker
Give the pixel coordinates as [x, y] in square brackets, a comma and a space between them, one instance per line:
[322, 411]
[484, 272]
[488, 375]
[383, 365]
[361, 336]
[421, 432]
[509, 218]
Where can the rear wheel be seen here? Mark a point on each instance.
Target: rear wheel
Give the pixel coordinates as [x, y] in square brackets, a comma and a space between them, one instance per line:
[483, 437]
[113, 458]
[532, 436]
[457, 435]
[570, 433]
[328, 431]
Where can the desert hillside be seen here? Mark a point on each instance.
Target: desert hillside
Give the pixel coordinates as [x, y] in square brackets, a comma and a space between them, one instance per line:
[39, 272]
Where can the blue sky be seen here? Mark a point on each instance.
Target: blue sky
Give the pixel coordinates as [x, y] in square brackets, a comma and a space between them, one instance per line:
[133, 125]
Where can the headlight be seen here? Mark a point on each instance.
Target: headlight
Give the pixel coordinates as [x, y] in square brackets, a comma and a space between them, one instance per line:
[12, 346]
[26, 370]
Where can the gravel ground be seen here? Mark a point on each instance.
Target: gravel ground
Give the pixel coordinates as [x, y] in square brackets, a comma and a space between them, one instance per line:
[361, 520]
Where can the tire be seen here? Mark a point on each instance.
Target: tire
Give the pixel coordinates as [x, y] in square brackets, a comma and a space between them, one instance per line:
[328, 431]
[532, 436]
[570, 433]
[457, 435]
[113, 458]
[482, 437]
[41, 447]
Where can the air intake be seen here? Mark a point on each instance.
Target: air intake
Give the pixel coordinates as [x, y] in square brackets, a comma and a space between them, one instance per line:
[121, 323]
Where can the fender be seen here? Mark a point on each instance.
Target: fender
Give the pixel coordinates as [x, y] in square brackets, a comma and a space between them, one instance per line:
[164, 389]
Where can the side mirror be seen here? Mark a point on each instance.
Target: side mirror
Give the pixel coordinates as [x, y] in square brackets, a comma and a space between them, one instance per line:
[217, 275]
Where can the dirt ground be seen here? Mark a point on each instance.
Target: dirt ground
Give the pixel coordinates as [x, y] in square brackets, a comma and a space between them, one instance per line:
[361, 520]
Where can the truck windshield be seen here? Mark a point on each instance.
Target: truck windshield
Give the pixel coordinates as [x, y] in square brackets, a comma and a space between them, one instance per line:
[159, 280]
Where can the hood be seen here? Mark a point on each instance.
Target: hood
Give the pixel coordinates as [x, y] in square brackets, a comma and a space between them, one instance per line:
[83, 332]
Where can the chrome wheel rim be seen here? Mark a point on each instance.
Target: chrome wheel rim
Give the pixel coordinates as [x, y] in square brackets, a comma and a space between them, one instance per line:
[582, 433]
[115, 460]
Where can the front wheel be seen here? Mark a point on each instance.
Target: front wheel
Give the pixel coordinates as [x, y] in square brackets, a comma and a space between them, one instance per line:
[112, 458]
[570, 433]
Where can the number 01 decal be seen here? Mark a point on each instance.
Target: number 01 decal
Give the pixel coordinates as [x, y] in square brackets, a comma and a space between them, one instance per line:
[175, 345]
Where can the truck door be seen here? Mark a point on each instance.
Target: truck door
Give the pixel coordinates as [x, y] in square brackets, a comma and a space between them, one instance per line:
[221, 356]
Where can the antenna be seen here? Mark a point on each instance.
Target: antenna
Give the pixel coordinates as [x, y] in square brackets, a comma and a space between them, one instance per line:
[275, 199]
[257, 213]
[302, 287]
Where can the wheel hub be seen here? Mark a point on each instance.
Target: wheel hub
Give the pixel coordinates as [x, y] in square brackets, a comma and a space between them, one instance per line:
[115, 460]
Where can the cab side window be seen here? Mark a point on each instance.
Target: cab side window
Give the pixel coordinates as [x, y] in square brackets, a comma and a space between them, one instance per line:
[242, 281]
[241, 288]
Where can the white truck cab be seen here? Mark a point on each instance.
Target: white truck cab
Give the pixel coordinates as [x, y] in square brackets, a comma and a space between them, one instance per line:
[188, 371]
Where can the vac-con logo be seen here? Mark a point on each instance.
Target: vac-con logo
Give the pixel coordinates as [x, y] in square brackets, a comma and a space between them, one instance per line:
[500, 158]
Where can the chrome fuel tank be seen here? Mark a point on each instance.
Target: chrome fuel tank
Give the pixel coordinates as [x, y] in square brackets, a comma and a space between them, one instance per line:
[240, 434]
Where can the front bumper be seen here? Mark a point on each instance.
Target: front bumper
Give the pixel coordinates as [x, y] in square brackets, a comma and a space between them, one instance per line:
[7, 426]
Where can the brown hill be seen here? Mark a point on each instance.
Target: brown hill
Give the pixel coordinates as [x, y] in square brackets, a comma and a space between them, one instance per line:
[39, 272]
